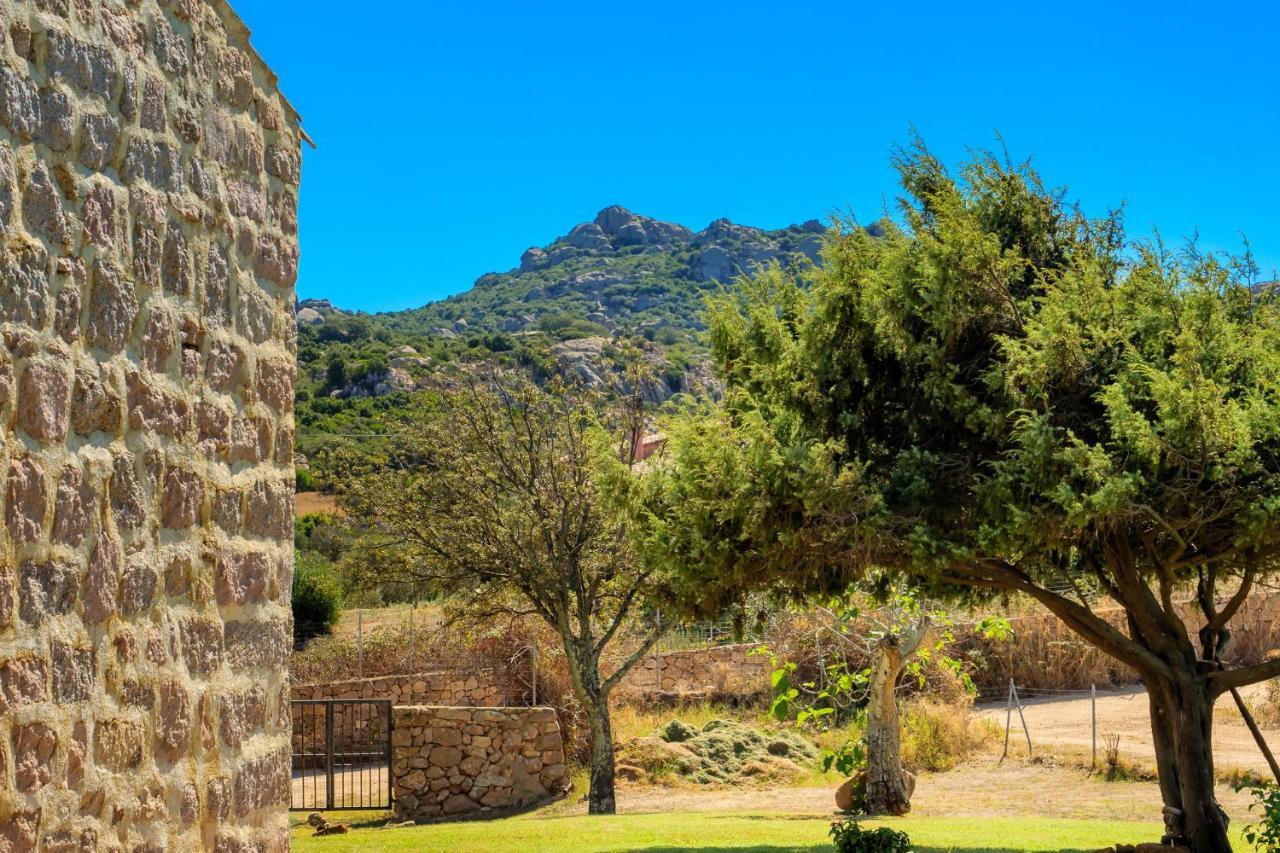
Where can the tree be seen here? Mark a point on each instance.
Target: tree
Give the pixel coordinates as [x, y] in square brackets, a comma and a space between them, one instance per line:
[994, 393]
[335, 375]
[317, 597]
[871, 643]
[503, 508]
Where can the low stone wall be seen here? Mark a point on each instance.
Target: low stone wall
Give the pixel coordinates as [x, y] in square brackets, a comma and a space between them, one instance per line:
[720, 671]
[360, 728]
[449, 762]
[422, 688]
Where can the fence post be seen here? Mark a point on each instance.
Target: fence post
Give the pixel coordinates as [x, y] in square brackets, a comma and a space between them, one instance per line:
[328, 755]
[822, 663]
[413, 641]
[1008, 721]
[359, 644]
[533, 664]
[1093, 708]
[1025, 730]
[657, 653]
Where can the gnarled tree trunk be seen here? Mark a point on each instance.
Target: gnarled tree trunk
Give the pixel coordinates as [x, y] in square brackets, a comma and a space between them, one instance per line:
[1182, 730]
[887, 791]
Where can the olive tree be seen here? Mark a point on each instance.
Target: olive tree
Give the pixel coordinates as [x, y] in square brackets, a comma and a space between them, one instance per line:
[497, 502]
[987, 394]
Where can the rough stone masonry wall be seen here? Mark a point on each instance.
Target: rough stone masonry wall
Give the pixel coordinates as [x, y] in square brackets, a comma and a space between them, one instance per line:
[423, 688]
[148, 253]
[716, 671]
[352, 724]
[449, 762]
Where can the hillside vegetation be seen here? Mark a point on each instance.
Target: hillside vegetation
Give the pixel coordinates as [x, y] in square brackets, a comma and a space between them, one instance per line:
[610, 289]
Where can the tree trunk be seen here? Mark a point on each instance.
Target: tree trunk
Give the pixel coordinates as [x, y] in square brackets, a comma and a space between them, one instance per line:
[886, 786]
[1182, 730]
[584, 672]
[601, 798]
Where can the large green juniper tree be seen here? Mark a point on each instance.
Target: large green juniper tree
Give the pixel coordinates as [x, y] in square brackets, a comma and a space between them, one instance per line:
[990, 394]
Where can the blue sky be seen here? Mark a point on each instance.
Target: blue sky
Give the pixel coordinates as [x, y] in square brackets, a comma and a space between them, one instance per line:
[453, 137]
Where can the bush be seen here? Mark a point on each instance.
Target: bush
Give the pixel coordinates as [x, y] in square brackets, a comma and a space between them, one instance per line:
[317, 596]
[849, 837]
[1267, 710]
[935, 736]
[304, 481]
[1265, 834]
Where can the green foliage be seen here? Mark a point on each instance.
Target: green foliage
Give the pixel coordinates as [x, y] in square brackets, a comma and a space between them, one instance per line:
[304, 481]
[849, 837]
[993, 393]
[317, 596]
[335, 375]
[1265, 834]
[512, 320]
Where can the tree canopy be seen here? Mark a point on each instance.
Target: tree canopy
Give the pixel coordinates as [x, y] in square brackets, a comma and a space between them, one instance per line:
[996, 392]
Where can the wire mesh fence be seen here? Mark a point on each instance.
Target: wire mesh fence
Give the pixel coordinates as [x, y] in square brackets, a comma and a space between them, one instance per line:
[1110, 728]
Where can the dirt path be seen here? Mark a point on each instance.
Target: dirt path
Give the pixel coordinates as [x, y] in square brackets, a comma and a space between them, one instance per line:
[1052, 785]
[977, 789]
[1062, 725]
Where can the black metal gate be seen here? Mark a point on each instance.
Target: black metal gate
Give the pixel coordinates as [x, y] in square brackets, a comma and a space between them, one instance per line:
[341, 754]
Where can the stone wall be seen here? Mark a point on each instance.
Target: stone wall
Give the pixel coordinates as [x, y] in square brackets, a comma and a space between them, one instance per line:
[718, 671]
[148, 253]
[422, 688]
[356, 727]
[452, 762]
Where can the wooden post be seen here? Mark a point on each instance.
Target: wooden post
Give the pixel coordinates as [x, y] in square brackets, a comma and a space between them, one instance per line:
[1093, 706]
[359, 644]
[1257, 734]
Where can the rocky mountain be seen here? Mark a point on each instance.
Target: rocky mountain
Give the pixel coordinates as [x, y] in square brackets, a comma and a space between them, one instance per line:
[574, 309]
[618, 271]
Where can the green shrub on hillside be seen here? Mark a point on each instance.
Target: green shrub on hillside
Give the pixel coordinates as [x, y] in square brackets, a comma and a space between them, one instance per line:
[317, 596]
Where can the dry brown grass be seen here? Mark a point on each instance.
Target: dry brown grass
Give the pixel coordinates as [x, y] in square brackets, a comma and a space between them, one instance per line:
[1266, 705]
[938, 736]
[316, 503]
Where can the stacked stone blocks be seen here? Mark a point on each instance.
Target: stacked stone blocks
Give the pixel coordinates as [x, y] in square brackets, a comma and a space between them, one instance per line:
[453, 762]
[722, 671]
[423, 688]
[148, 252]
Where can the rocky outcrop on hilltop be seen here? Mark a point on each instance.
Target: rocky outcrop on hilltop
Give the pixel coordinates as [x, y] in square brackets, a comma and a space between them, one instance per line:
[720, 252]
[614, 229]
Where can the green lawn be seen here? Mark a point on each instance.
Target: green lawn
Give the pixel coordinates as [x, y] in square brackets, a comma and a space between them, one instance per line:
[758, 833]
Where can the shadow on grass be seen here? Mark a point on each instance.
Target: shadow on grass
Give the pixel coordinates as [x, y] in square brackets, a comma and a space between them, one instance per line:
[827, 848]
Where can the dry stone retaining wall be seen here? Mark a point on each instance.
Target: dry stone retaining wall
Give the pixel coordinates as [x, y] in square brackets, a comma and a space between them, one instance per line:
[148, 252]
[716, 671]
[359, 726]
[422, 688]
[452, 762]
